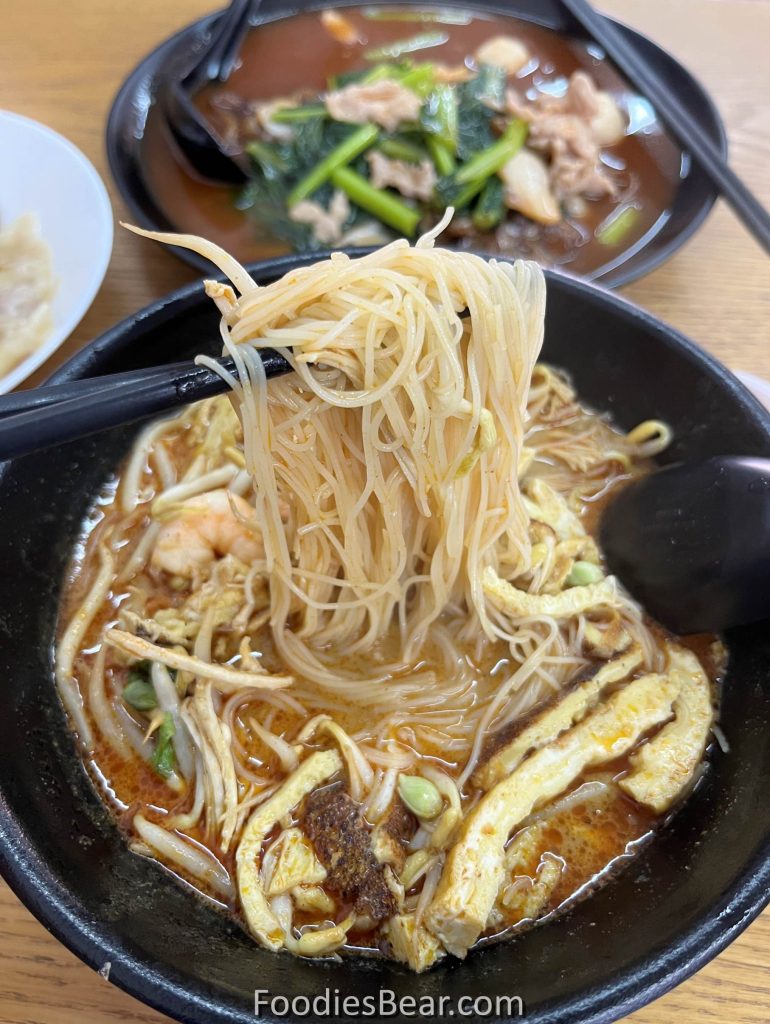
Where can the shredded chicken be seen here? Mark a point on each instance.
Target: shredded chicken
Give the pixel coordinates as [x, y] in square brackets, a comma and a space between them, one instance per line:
[571, 130]
[212, 738]
[263, 112]
[225, 678]
[416, 181]
[387, 103]
[326, 224]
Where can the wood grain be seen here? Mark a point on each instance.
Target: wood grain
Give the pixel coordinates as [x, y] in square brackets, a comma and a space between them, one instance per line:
[62, 63]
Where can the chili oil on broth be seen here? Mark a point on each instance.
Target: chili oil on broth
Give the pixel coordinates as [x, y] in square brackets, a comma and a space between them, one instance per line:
[592, 831]
[273, 52]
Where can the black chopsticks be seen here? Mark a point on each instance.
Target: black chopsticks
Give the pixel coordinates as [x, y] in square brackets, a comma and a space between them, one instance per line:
[644, 77]
[57, 413]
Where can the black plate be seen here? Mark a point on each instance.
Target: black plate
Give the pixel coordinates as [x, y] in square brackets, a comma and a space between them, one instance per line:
[694, 197]
[693, 889]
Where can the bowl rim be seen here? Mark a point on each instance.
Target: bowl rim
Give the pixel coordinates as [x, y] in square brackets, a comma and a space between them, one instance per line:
[628, 989]
[623, 275]
[102, 218]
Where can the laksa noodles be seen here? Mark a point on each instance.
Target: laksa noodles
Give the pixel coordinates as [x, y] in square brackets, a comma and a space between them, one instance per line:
[339, 646]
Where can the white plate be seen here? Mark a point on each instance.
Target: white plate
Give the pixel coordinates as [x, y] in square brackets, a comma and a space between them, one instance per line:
[41, 172]
[758, 386]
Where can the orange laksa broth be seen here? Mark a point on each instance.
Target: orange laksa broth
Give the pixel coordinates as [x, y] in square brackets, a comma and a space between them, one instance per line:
[362, 858]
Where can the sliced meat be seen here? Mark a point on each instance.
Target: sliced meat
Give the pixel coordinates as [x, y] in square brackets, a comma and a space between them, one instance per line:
[326, 225]
[333, 823]
[415, 181]
[387, 103]
[475, 866]
[662, 768]
[391, 837]
[571, 130]
[547, 721]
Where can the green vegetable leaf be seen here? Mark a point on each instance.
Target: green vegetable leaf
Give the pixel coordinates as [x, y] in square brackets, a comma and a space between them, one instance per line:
[490, 208]
[474, 115]
[439, 116]
[139, 691]
[277, 167]
[354, 143]
[366, 76]
[163, 759]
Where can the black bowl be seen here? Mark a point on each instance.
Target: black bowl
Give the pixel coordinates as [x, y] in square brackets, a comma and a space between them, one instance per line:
[691, 891]
[694, 197]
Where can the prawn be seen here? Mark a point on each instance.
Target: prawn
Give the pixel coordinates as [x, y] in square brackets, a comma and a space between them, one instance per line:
[207, 526]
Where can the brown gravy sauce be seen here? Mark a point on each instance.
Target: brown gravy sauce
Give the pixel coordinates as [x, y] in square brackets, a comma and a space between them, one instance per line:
[292, 54]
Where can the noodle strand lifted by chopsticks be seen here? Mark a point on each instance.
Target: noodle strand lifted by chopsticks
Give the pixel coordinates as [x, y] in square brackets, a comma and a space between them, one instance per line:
[395, 445]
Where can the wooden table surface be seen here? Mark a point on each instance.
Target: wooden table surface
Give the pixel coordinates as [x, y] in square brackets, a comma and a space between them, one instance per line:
[62, 63]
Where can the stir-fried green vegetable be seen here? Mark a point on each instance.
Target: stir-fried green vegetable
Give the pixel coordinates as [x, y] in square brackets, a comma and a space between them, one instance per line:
[441, 155]
[477, 101]
[451, 143]
[443, 15]
[399, 148]
[490, 160]
[290, 115]
[439, 116]
[139, 691]
[383, 205]
[490, 208]
[420, 79]
[617, 225]
[360, 139]
[421, 41]
[163, 759]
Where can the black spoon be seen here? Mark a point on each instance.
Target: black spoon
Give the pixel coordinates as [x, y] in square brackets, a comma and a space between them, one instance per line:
[692, 543]
[206, 152]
